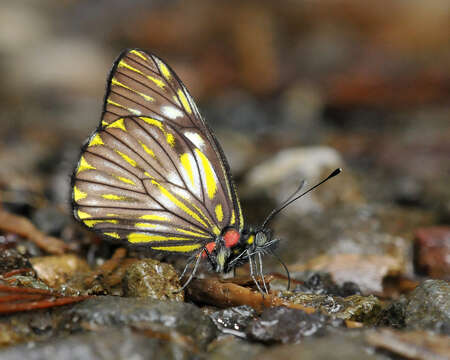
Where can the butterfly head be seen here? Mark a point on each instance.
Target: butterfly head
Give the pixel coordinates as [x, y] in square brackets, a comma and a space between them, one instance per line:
[235, 247]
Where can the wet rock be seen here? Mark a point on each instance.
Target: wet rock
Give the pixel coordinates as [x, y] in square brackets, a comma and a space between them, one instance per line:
[230, 347]
[233, 320]
[432, 247]
[153, 279]
[116, 311]
[285, 325]
[420, 345]
[58, 270]
[356, 307]
[113, 344]
[348, 346]
[393, 315]
[429, 307]
[37, 325]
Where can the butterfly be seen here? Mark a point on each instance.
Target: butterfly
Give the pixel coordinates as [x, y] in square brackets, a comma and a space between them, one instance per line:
[153, 174]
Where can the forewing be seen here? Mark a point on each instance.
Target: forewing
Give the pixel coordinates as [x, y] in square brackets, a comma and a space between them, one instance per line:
[153, 172]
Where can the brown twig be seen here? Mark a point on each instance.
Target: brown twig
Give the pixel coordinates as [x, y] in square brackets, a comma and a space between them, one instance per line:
[225, 294]
[107, 267]
[23, 227]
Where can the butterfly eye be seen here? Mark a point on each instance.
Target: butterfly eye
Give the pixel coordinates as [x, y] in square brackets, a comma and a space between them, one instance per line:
[260, 239]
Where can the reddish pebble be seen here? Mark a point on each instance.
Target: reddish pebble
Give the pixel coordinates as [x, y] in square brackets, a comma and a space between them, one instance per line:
[432, 247]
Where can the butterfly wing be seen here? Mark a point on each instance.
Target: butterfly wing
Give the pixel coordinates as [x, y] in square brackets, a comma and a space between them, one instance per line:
[153, 173]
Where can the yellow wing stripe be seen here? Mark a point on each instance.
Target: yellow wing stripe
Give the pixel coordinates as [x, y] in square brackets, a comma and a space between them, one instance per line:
[83, 215]
[158, 82]
[164, 70]
[199, 211]
[187, 232]
[211, 186]
[219, 212]
[241, 217]
[169, 137]
[138, 53]
[125, 180]
[146, 97]
[178, 203]
[78, 194]
[145, 225]
[125, 65]
[154, 217]
[91, 223]
[147, 149]
[184, 101]
[183, 248]
[113, 197]
[84, 165]
[233, 218]
[96, 140]
[126, 158]
[141, 237]
[118, 124]
[113, 235]
[133, 111]
[186, 163]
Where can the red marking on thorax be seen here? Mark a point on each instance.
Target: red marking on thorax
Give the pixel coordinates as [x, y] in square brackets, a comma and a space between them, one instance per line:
[210, 247]
[231, 237]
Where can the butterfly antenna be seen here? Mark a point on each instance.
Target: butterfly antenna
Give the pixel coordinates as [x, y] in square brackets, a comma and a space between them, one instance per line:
[287, 203]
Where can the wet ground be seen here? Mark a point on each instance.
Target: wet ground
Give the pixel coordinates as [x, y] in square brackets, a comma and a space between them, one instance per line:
[293, 92]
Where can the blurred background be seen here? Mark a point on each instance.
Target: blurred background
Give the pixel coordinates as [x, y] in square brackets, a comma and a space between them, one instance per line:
[293, 89]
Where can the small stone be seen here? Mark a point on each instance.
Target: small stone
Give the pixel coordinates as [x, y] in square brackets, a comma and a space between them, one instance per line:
[429, 307]
[285, 325]
[287, 168]
[144, 313]
[355, 307]
[59, 269]
[153, 279]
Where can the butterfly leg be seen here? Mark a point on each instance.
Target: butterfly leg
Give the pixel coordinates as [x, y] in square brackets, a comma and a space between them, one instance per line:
[189, 262]
[191, 276]
[252, 275]
[261, 273]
